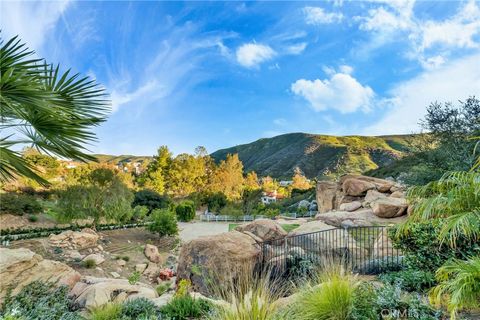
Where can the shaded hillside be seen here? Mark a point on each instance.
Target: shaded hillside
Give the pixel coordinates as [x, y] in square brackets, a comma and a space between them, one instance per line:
[112, 159]
[317, 155]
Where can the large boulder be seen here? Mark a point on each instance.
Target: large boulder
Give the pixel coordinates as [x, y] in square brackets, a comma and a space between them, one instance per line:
[356, 187]
[389, 207]
[326, 192]
[359, 218]
[381, 185]
[263, 229]
[77, 240]
[98, 258]
[19, 267]
[217, 259]
[151, 252]
[383, 247]
[350, 206]
[371, 196]
[92, 292]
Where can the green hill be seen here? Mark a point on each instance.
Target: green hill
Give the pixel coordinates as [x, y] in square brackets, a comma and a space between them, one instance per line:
[112, 159]
[317, 155]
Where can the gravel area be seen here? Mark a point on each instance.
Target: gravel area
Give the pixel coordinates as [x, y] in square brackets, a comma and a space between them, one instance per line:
[193, 230]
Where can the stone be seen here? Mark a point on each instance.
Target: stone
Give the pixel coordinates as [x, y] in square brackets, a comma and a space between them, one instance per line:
[356, 187]
[296, 251]
[398, 194]
[99, 259]
[151, 271]
[326, 192]
[121, 262]
[74, 239]
[383, 247]
[151, 252]
[303, 204]
[350, 206]
[75, 255]
[19, 267]
[218, 258]
[265, 229]
[371, 196]
[163, 300]
[254, 237]
[359, 218]
[114, 274]
[341, 198]
[93, 292]
[140, 267]
[389, 207]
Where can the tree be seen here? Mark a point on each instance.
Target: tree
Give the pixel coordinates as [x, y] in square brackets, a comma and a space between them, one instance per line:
[163, 222]
[151, 199]
[251, 181]
[269, 184]
[228, 177]
[185, 211]
[101, 196]
[251, 199]
[215, 201]
[45, 108]
[155, 176]
[187, 174]
[300, 182]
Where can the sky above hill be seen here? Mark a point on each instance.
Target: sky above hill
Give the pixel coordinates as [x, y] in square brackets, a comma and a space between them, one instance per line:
[218, 74]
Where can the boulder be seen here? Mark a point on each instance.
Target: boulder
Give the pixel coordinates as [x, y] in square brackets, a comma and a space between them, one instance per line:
[356, 187]
[264, 229]
[19, 267]
[303, 204]
[99, 259]
[389, 207]
[92, 292]
[163, 300]
[359, 218]
[140, 267]
[87, 238]
[371, 196]
[218, 259]
[398, 194]
[350, 206]
[383, 247]
[342, 198]
[330, 241]
[326, 192]
[151, 252]
[151, 271]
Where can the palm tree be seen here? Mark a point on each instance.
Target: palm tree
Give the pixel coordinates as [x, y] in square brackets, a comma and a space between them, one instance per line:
[455, 198]
[44, 108]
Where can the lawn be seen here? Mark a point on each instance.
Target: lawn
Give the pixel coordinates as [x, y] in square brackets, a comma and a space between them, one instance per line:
[286, 227]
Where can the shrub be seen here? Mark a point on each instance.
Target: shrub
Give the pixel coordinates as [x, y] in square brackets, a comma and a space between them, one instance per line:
[151, 199]
[89, 263]
[40, 301]
[364, 303]
[162, 288]
[134, 277]
[424, 251]
[185, 211]
[19, 204]
[410, 280]
[232, 210]
[164, 222]
[140, 308]
[139, 213]
[185, 307]
[109, 311]
[32, 218]
[216, 201]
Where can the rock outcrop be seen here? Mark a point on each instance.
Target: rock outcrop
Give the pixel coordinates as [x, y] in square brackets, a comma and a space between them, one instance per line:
[19, 267]
[151, 252]
[354, 193]
[359, 218]
[92, 292]
[216, 259]
[74, 240]
[264, 229]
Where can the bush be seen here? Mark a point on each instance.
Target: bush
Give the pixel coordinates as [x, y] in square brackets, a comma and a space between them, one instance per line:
[232, 210]
[424, 251]
[19, 204]
[162, 288]
[185, 307]
[134, 277]
[139, 213]
[109, 311]
[89, 263]
[215, 202]
[185, 211]
[364, 303]
[410, 280]
[32, 218]
[140, 308]
[164, 222]
[40, 301]
[151, 199]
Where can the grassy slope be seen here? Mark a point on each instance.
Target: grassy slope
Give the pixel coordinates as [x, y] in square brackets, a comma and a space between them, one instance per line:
[317, 155]
[102, 158]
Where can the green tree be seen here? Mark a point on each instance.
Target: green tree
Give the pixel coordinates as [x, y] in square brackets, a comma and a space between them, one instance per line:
[45, 108]
[102, 195]
[228, 177]
[185, 210]
[151, 199]
[163, 222]
[155, 176]
[187, 174]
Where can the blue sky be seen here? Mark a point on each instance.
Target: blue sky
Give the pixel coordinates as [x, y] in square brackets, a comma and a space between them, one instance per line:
[218, 74]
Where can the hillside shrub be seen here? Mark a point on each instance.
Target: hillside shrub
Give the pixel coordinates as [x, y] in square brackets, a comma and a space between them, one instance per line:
[232, 210]
[140, 308]
[32, 218]
[164, 222]
[410, 280]
[185, 211]
[185, 307]
[139, 213]
[40, 301]
[151, 199]
[215, 201]
[424, 251]
[89, 263]
[109, 311]
[364, 303]
[18, 204]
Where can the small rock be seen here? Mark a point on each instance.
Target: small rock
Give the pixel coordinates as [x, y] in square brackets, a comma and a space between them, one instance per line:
[115, 274]
[163, 300]
[95, 257]
[121, 262]
[398, 194]
[100, 247]
[140, 267]
[151, 252]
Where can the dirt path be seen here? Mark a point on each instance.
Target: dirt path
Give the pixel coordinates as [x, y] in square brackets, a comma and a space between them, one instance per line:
[193, 230]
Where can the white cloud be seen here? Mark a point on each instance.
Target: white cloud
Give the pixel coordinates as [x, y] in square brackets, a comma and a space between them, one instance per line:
[341, 92]
[31, 20]
[453, 81]
[380, 19]
[317, 15]
[120, 98]
[280, 122]
[296, 48]
[252, 54]
[346, 69]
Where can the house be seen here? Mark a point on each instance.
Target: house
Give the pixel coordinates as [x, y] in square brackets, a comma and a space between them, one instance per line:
[285, 183]
[270, 197]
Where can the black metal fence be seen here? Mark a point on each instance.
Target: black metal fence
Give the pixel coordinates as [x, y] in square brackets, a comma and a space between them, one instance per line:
[365, 250]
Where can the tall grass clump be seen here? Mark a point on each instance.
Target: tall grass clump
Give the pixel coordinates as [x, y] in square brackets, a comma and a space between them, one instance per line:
[109, 311]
